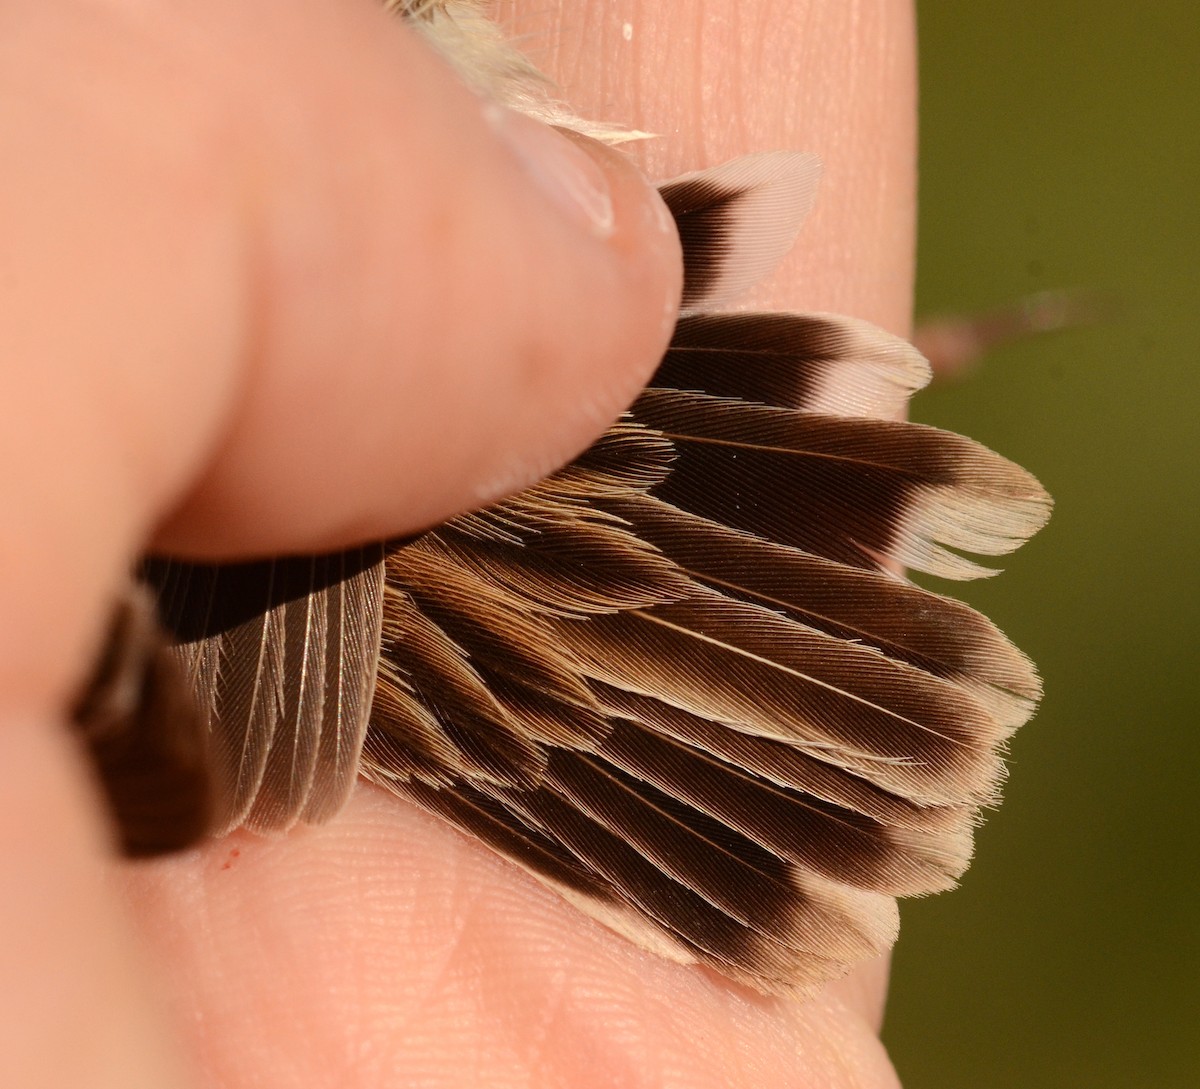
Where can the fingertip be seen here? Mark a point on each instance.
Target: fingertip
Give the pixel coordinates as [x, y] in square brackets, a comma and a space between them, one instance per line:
[601, 342]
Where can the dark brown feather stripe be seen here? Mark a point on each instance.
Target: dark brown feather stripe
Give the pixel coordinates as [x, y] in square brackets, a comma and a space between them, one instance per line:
[504, 831]
[736, 221]
[481, 738]
[572, 569]
[814, 362]
[731, 872]
[512, 648]
[705, 215]
[851, 490]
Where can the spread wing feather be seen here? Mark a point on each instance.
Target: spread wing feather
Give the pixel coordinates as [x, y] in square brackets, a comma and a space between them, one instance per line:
[679, 680]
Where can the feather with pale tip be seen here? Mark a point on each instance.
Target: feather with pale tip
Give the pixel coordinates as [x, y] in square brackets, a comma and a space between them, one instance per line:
[679, 681]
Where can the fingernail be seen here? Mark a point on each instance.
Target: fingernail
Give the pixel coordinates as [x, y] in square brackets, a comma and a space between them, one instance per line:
[568, 175]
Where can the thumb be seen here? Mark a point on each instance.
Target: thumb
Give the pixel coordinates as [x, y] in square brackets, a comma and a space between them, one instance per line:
[454, 300]
[310, 290]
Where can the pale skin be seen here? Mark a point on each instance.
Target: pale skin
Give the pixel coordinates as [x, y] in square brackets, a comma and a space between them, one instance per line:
[252, 299]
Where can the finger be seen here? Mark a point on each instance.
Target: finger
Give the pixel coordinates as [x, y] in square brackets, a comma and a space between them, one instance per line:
[283, 284]
[470, 301]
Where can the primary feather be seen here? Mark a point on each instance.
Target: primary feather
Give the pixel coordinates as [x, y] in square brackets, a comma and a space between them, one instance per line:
[679, 681]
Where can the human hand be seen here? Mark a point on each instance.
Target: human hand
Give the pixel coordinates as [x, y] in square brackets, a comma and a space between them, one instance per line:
[250, 298]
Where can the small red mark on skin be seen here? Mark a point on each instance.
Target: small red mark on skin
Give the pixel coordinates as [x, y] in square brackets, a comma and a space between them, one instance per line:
[234, 854]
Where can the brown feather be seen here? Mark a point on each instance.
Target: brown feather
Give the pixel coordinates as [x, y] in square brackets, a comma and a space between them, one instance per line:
[853, 490]
[737, 220]
[934, 633]
[791, 767]
[754, 671]
[840, 843]
[541, 689]
[853, 924]
[814, 362]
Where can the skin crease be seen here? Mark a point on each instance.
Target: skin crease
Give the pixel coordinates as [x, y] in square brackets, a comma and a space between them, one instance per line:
[382, 949]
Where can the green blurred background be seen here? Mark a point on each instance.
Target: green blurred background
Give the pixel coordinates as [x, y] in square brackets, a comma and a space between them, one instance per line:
[1061, 148]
